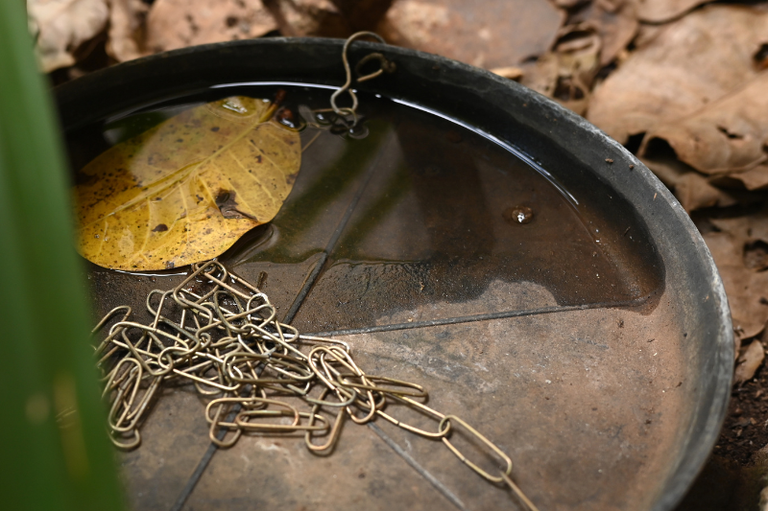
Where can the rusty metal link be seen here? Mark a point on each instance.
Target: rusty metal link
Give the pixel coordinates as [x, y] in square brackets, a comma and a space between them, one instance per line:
[518, 492]
[442, 430]
[386, 67]
[344, 118]
[448, 419]
[220, 334]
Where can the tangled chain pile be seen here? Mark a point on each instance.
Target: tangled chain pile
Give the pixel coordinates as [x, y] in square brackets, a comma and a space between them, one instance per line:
[221, 333]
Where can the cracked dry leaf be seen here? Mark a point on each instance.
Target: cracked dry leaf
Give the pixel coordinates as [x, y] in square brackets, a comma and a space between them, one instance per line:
[616, 24]
[749, 362]
[745, 285]
[753, 179]
[127, 21]
[694, 192]
[569, 4]
[173, 24]
[303, 18]
[187, 189]
[566, 73]
[680, 70]
[745, 229]
[728, 135]
[485, 33]
[660, 11]
[64, 25]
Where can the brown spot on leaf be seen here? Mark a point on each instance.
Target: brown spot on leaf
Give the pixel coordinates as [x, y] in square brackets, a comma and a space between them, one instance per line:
[224, 197]
[227, 204]
[160, 228]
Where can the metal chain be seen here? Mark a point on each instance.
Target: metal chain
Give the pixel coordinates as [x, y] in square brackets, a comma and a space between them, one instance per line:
[385, 66]
[221, 334]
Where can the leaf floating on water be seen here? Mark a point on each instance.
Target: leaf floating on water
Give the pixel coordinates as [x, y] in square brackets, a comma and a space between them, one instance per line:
[187, 189]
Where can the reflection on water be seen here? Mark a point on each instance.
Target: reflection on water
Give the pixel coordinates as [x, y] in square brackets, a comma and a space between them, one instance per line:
[422, 211]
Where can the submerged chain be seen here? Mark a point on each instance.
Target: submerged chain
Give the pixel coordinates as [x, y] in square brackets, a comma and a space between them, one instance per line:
[221, 334]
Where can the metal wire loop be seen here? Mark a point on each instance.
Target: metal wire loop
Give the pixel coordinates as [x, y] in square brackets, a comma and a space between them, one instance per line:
[385, 67]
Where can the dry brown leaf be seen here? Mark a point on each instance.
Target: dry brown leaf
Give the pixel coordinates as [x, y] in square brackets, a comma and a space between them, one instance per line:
[187, 189]
[646, 34]
[566, 73]
[660, 11]
[749, 362]
[175, 24]
[615, 24]
[127, 29]
[301, 18]
[363, 14]
[727, 135]
[746, 288]
[64, 25]
[509, 72]
[484, 33]
[668, 169]
[694, 192]
[745, 229]
[680, 70]
[753, 179]
[568, 4]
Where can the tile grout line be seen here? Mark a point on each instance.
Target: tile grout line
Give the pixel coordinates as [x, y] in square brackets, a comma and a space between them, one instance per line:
[471, 319]
[201, 466]
[194, 478]
[440, 487]
[309, 283]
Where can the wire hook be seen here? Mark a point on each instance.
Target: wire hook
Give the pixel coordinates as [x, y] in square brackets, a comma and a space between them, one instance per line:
[386, 67]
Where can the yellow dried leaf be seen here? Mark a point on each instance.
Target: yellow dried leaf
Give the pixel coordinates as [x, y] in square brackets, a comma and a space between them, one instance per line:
[187, 189]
